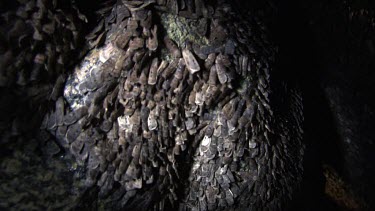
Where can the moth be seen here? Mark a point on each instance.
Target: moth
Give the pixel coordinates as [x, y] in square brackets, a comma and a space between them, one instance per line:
[172, 47]
[190, 61]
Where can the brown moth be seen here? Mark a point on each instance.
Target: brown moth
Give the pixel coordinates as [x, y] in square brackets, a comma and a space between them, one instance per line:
[190, 61]
[209, 61]
[146, 23]
[212, 79]
[136, 43]
[221, 73]
[172, 47]
[152, 77]
[60, 111]
[58, 87]
[244, 64]
[170, 69]
[152, 42]
[162, 66]
[143, 78]
[151, 121]
[178, 74]
[123, 39]
[192, 97]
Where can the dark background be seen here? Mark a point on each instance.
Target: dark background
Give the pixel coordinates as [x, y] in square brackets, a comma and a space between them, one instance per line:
[328, 47]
